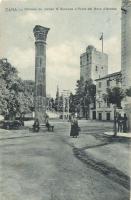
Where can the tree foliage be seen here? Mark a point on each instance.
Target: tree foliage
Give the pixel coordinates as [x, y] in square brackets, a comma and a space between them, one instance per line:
[114, 96]
[15, 96]
[85, 95]
[128, 92]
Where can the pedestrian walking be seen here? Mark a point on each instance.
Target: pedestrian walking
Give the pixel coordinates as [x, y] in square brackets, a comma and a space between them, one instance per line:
[125, 123]
[74, 128]
[120, 123]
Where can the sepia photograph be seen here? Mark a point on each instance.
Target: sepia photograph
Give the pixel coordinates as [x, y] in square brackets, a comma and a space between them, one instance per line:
[65, 99]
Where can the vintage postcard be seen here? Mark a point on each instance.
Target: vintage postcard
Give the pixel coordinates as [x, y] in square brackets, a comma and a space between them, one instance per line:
[65, 99]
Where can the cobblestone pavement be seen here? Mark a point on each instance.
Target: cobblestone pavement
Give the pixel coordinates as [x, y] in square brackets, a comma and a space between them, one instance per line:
[43, 166]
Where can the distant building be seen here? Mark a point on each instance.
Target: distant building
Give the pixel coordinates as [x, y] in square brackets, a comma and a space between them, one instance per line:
[104, 110]
[93, 64]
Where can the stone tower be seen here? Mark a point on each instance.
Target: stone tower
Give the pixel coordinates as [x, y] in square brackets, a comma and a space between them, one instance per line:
[40, 34]
[126, 54]
[93, 64]
[126, 43]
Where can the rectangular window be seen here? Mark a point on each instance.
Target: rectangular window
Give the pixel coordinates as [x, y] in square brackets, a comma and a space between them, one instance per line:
[108, 104]
[40, 61]
[99, 84]
[96, 68]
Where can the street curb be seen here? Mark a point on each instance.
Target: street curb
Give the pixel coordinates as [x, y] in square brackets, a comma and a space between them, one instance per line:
[107, 170]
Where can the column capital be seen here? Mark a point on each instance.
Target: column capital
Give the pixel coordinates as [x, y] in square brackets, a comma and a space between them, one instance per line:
[40, 33]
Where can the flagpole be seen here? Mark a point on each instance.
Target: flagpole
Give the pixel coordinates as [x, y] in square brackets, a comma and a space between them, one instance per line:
[102, 42]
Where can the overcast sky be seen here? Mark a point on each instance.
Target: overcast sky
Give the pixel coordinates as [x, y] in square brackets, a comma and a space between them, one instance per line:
[70, 33]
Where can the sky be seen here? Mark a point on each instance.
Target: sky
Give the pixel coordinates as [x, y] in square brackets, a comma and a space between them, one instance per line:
[73, 24]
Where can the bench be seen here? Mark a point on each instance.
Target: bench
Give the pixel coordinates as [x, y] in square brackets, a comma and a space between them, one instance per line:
[41, 126]
[49, 127]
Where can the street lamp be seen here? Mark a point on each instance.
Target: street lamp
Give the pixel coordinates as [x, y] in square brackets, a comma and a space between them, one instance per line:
[115, 117]
[65, 94]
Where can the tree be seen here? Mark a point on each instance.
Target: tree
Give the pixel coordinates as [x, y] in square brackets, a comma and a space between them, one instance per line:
[4, 93]
[128, 92]
[8, 77]
[114, 96]
[26, 97]
[72, 103]
[89, 96]
[16, 97]
[84, 96]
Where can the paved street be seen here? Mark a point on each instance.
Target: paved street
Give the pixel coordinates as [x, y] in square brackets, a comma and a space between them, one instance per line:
[53, 166]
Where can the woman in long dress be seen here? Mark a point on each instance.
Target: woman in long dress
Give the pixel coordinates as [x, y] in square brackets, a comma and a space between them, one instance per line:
[74, 128]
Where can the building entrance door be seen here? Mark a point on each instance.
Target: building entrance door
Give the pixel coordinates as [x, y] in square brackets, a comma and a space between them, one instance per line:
[108, 117]
[100, 116]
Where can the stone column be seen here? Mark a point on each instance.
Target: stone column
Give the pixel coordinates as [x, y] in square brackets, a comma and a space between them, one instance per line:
[40, 34]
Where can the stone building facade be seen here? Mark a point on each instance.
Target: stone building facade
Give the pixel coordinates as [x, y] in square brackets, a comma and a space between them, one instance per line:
[126, 54]
[93, 64]
[126, 43]
[104, 110]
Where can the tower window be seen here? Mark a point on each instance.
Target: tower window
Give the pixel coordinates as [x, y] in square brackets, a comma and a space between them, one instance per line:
[96, 68]
[99, 84]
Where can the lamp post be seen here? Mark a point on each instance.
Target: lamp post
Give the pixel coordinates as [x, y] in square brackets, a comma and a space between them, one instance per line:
[63, 106]
[115, 127]
[65, 94]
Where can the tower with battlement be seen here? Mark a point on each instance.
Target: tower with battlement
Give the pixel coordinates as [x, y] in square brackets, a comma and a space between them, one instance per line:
[93, 64]
[126, 53]
[126, 43]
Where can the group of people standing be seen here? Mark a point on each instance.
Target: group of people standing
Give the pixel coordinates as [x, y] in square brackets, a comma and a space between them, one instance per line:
[122, 123]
